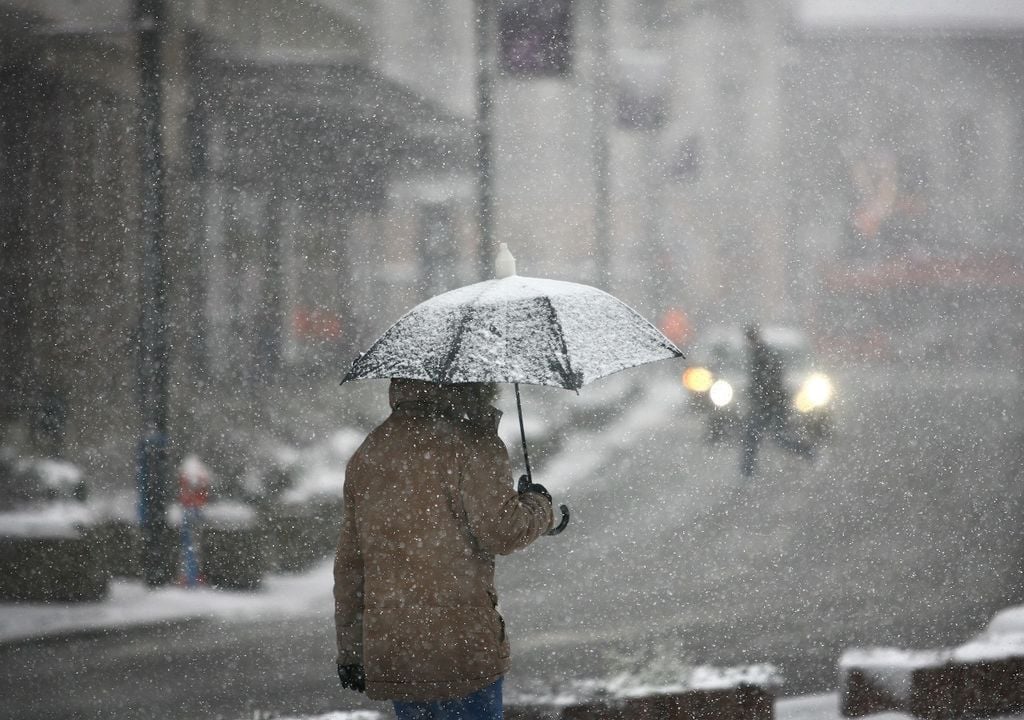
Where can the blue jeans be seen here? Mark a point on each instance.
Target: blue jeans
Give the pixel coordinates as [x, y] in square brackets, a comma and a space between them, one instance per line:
[484, 704]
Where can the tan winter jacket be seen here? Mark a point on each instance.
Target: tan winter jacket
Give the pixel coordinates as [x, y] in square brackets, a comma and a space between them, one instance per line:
[428, 503]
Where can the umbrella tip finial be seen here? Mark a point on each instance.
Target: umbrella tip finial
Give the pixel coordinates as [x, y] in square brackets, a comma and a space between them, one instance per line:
[504, 263]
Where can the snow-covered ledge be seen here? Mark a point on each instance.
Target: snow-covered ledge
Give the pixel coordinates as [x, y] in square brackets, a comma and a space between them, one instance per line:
[983, 677]
[731, 693]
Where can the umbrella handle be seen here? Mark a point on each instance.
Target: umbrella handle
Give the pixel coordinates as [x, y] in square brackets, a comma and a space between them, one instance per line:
[529, 474]
[561, 525]
[522, 434]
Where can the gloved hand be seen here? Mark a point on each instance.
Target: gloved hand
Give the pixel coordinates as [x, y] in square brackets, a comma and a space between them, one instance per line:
[526, 486]
[352, 677]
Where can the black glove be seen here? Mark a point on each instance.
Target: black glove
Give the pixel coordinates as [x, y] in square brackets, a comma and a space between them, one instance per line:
[352, 677]
[526, 486]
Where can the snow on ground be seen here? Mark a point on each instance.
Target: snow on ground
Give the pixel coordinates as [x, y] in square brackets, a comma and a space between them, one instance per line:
[810, 707]
[819, 707]
[60, 519]
[132, 603]
[816, 707]
[891, 669]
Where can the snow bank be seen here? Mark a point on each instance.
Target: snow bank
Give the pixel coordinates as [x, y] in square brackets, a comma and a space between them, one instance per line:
[1002, 638]
[909, 679]
[132, 603]
[56, 474]
[629, 685]
[62, 519]
[319, 471]
[349, 715]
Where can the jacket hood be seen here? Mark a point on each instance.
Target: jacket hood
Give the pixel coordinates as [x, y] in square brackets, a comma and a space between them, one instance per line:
[404, 390]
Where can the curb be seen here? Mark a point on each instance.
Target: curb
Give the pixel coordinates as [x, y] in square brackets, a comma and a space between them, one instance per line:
[743, 702]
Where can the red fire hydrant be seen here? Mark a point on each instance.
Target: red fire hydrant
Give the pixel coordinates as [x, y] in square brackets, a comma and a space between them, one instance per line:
[193, 494]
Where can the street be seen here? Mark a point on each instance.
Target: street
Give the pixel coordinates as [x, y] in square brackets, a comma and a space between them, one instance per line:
[224, 232]
[904, 532]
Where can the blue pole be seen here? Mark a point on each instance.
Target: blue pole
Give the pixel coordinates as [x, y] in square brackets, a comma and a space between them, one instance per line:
[189, 551]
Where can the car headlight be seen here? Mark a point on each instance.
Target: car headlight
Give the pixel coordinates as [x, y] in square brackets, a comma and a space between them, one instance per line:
[814, 393]
[720, 393]
[697, 379]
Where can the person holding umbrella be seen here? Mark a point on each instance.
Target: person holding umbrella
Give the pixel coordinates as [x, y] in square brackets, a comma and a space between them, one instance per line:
[428, 504]
[428, 501]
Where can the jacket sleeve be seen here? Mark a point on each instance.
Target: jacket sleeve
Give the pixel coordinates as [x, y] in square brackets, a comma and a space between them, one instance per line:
[348, 586]
[499, 518]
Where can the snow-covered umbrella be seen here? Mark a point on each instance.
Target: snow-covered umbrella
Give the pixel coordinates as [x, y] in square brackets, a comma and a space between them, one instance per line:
[518, 330]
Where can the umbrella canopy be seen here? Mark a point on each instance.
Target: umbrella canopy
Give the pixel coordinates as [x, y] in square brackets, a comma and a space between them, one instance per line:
[515, 330]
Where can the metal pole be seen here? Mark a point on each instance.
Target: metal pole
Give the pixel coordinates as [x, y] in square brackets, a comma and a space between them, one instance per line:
[485, 27]
[154, 476]
[602, 171]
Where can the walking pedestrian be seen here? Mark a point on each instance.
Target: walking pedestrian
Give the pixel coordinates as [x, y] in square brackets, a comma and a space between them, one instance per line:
[769, 404]
[766, 396]
[428, 504]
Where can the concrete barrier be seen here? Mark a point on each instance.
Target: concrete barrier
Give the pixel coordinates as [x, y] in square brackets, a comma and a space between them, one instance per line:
[936, 685]
[51, 569]
[232, 559]
[982, 688]
[299, 537]
[859, 696]
[744, 702]
[231, 544]
[699, 693]
[120, 547]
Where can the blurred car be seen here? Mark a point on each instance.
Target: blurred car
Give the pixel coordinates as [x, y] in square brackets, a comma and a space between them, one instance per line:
[49, 542]
[718, 376]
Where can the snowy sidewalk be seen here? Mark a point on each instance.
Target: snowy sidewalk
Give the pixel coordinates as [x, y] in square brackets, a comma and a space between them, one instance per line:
[132, 604]
[811, 707]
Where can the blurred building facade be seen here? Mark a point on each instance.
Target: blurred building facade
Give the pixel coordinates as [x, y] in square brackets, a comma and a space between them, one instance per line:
[906, 144]
[728, 158]
[289, 155]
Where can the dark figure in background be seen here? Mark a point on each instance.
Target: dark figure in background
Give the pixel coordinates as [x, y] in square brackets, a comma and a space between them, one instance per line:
[769, 404]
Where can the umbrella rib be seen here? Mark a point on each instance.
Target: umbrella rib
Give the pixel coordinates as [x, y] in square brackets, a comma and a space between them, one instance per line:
[367, 354]
[445, 369]
[571, 379]
[468, 311]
